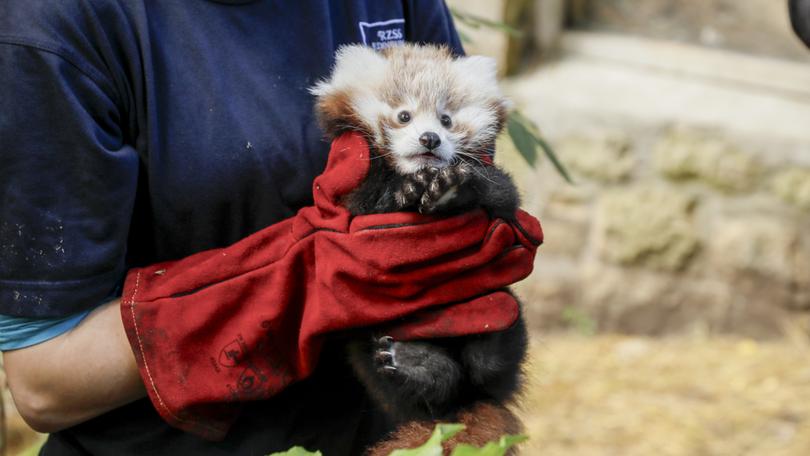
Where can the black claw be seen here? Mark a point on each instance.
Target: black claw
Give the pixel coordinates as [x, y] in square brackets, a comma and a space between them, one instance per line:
[384, 358]
[424, 188]
[409, 189]
[464, 172]
[400, 199]
[423, 176]
[447, 175]
[426, 204]
[388, 369]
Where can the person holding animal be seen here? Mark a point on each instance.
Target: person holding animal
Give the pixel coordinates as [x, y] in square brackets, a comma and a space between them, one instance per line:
[171, 278]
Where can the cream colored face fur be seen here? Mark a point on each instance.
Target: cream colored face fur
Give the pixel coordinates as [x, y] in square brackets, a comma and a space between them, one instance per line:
[369, 90]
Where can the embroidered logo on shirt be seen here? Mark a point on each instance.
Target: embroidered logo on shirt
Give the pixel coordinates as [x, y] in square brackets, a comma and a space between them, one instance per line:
[380, 35]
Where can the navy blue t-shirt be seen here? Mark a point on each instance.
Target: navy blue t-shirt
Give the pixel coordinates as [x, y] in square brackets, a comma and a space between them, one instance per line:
[138, 131]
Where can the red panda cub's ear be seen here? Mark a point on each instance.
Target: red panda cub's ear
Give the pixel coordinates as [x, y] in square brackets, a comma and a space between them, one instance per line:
[479, 75]
[335, 114]
[348, 99]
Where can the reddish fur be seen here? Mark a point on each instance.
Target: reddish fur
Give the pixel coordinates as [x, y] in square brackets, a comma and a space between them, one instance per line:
[484, 423]
[336, 114]
[501, 113]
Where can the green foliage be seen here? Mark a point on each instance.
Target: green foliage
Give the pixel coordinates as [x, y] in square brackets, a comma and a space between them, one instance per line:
[443, 432]
[522, 131]
[464, 37]
[578, 320]
[526, 138]
[523, 140]
[297, 451]
[498, 448]
[476, 22]
[433, 447]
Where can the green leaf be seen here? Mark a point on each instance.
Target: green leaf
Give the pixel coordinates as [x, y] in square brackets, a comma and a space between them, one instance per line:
[433, 447]
[523, 139]
[579, 320]
[464, 37]
[498, 448]
[297, 451]
[520, 117]
[519, 127]
[474, 21]
[554, 160]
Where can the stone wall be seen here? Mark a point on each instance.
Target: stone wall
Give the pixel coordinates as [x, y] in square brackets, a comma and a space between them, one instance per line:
[691, 209]
[668, 230]
[756, 26]
[759, 27]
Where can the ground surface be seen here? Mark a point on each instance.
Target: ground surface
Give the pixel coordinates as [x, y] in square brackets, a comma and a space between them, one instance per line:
[618, 395]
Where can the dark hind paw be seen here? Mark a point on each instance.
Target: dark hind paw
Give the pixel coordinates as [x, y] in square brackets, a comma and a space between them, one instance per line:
[417, 369]
[384, 355]
[493, 361]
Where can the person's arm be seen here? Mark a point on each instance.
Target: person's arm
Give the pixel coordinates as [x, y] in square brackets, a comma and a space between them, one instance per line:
[76, 376]
[68, 184]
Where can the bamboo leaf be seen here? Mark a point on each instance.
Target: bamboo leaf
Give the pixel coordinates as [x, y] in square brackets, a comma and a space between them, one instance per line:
[474, 21]
[498, 448]
[552, 156]
[433, 447]
[464, 37]
[523, 140]
[520, 117]
[531, 130]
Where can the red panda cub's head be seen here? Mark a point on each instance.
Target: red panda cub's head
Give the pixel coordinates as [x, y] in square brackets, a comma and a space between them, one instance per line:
[418, 106]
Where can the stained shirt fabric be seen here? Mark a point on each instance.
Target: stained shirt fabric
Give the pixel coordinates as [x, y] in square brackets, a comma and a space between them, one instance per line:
[138, 131]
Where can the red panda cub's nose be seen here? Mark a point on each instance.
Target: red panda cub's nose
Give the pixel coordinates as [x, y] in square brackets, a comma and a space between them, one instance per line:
[430, 140]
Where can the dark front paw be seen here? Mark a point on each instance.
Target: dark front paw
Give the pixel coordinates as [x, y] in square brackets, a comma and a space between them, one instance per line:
[444, 188]
[433, 190]
[413, 186]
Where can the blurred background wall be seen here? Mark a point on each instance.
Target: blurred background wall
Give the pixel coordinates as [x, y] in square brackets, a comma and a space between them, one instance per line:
[686, 127]
[670, 304]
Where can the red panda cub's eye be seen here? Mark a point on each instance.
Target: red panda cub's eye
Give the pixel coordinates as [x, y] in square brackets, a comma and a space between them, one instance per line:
[446, 121]
[404, 117]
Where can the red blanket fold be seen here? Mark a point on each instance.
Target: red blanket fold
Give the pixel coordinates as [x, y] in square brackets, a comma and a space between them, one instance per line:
[242, 322]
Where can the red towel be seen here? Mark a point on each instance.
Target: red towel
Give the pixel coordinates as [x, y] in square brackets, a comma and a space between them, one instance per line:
[242, 322]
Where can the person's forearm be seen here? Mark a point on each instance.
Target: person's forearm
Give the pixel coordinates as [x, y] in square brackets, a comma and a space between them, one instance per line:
[76, 376]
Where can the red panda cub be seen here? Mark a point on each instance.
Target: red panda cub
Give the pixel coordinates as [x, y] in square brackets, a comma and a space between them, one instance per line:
[431, 120]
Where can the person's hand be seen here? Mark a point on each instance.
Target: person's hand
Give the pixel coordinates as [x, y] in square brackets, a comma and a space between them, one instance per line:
[242, 322]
